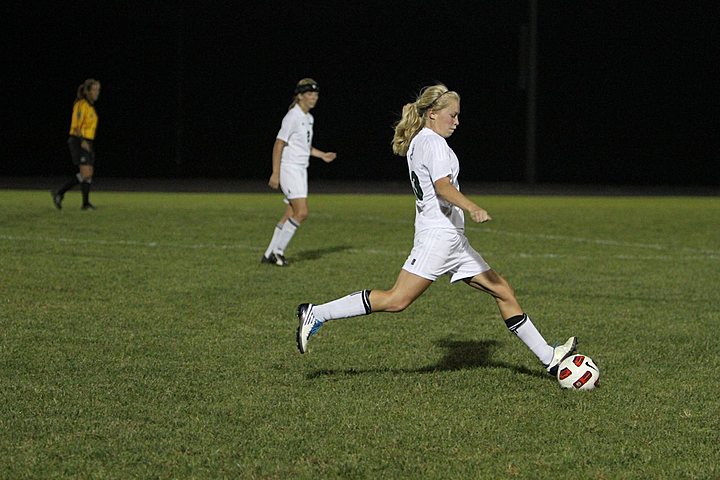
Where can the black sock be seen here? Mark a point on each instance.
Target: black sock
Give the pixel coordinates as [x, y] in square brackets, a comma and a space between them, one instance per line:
[70, 184]
[85, 193]
[513, 323]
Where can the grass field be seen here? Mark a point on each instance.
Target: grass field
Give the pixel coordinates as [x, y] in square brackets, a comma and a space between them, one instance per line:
[145, 340]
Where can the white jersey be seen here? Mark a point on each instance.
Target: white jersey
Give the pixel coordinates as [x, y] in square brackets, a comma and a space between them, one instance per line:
[429, 159]
[297, 131]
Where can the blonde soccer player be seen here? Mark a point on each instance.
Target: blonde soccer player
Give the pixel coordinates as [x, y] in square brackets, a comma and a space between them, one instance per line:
[440, 246]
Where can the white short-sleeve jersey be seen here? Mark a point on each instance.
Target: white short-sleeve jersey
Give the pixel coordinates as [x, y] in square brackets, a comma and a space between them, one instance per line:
[297, 132]
[429, 159]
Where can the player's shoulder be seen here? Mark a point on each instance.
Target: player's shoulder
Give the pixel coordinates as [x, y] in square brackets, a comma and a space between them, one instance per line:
[291, 117]
[85, 105]
[429, 139]
[82, 106]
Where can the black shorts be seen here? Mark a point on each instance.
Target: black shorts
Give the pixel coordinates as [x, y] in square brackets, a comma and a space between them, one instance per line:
[79, 155]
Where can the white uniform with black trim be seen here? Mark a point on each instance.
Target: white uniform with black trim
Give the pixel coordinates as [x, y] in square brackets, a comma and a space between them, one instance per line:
[297, 132]
[440, 245]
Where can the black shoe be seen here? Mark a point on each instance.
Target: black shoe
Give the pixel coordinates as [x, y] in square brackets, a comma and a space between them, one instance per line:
[269, 259]
[57, 200]
[88, 206]
[280, 260]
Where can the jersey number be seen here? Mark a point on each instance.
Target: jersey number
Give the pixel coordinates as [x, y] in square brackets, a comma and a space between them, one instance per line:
[416, 185]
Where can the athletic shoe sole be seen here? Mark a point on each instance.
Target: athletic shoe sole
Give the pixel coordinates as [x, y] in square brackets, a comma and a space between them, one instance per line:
[302, 312]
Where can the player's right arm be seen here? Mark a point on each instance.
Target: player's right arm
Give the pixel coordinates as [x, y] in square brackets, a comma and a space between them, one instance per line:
[274, 181]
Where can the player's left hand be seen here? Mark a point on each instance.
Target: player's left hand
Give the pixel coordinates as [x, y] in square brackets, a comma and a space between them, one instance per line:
[480, 215]
[329, 156]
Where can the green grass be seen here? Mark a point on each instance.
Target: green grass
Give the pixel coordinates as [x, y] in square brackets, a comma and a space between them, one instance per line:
[145, 340]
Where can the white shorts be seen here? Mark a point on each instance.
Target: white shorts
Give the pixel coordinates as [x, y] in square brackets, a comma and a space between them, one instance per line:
[293, 181]
[439, 251]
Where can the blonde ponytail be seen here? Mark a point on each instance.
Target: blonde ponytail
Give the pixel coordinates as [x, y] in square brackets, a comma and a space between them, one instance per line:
[412, 120]
[410, 123]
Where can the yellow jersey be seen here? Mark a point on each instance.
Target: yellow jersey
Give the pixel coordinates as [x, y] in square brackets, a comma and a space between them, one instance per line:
[84, 120]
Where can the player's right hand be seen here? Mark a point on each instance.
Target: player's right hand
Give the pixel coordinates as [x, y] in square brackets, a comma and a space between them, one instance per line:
[274, 181]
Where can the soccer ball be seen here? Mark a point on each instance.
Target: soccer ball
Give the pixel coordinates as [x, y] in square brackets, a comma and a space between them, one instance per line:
[578, 372]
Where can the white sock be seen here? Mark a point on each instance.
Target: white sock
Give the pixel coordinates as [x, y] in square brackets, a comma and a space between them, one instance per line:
[276, 233]
[523, 327]
[288, 230]
[352, 305]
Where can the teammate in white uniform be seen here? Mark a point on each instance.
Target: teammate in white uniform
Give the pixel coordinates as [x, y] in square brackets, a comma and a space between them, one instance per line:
[440, 246]
[290, 160]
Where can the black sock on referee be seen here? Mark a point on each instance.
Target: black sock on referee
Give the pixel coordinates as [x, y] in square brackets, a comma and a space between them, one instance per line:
[85, 192]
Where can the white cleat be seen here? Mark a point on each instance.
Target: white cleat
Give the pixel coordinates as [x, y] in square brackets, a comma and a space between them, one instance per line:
[560, 353]
[309, 325]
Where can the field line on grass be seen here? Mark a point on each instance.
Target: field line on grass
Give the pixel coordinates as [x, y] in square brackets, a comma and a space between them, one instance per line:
[698, 254]
[134, 243]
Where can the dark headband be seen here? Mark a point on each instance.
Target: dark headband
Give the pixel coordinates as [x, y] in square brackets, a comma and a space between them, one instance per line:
[309, 87]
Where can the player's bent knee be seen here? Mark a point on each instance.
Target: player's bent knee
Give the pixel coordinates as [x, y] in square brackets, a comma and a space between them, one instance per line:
[504, 292]
[500, 290]
[508, 290]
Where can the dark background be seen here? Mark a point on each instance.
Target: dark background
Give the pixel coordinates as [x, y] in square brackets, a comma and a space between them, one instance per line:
[627, 92]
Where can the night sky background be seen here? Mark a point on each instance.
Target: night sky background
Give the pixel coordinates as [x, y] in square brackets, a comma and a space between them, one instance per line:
[627, 92]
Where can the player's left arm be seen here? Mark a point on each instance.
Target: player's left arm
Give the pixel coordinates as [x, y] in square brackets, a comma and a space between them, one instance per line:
[447, 191]
[77, 122]
[326, 156]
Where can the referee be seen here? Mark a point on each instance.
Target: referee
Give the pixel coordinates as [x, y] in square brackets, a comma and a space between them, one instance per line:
[82, 133]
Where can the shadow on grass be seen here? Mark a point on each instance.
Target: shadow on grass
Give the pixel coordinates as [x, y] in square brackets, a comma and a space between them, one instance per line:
[305, 255]
[460, 355]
